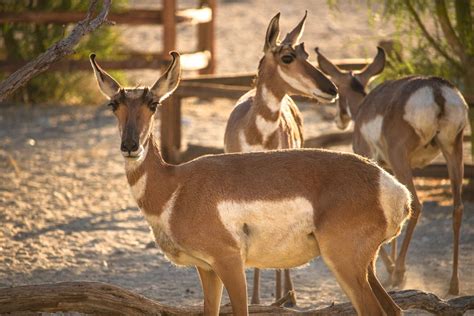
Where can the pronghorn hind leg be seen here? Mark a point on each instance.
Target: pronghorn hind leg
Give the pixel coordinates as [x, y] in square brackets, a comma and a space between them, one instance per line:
[212, 289]
[393, 249]
[453, 152]
[402, 171]
[387, 303]
[256, 287]
[387, 261]
[349, 264]
[230, 269]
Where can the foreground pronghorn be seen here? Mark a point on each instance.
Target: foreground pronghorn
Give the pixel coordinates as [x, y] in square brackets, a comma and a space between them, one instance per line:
[275, 210]
[266, 117]
[404, 124]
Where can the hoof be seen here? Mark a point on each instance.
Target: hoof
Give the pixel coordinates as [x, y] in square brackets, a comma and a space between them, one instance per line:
[454, 288]
[255, 301]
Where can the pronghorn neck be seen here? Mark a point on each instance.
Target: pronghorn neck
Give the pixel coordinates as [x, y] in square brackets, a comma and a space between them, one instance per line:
[151, 179]
[269, 95]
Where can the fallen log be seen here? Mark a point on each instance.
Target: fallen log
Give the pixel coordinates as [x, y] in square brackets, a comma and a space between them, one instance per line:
[106, 299]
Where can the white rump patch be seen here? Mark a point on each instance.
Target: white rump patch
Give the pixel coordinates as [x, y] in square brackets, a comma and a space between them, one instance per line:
[394, 198]
[372, 133]
[421, 112]
[455, 107]
[272, 234]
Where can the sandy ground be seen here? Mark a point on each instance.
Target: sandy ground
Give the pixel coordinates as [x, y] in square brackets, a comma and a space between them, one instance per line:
[67, 213]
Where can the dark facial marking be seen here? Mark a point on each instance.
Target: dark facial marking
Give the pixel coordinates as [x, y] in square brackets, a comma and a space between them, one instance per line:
[357, 86]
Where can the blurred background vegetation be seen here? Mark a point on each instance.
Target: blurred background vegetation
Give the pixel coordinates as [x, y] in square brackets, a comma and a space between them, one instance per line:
[433, 37]
[24, 41]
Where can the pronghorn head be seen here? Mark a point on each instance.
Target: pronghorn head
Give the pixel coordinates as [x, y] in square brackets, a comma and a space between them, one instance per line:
[286, 63]
[351, 85]
[135, 107]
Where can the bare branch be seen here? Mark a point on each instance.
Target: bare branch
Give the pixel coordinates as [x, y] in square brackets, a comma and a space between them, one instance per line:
[430, 39]
[448, 30]
[106, 299]
[57, 51]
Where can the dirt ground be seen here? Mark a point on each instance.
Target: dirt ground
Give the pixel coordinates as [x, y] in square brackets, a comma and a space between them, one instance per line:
[67, 213]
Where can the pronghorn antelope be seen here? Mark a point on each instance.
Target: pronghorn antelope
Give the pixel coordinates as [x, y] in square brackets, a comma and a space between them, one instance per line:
[405, 124]
[266, 117]
[274, 210]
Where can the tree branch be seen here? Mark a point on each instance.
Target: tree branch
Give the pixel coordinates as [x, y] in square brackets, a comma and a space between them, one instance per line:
[427, 35]
[463, 10]
[105, 299]
[57, 51]
[448, 30]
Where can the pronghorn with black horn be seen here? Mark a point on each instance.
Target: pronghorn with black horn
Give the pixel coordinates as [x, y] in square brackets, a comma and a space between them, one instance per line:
[266, 117]
[405, 124]
[275, 210]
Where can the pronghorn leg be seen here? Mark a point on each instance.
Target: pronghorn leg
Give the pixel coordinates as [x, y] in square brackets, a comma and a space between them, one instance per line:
[256, 287]
[454, 159]
[212, 289]
[230, 269]
[387, 260]
[402, 171]
[387, 303]
[278, 288]
[351, 274]
[288, 286]
[393, 249]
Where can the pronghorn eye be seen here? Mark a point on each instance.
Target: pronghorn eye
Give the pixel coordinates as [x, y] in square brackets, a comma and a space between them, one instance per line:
[153, 106]
[113, 105]
[287, 59]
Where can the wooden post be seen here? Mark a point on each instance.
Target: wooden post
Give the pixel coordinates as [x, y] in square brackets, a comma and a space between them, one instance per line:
[171, 109]
[206, 37]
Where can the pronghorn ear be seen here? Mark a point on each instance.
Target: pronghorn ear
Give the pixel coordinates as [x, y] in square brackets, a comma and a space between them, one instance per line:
[326, 65]
[374, 68]
[273, 31]
[294, 36]
[169, 81]
[108, 86]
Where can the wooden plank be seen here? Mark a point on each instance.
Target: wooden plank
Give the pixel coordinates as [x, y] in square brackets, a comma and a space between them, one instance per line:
[130, 17]
[205, 35]
[239, 79]
[191, 61]
[171, 109]
[211, 90]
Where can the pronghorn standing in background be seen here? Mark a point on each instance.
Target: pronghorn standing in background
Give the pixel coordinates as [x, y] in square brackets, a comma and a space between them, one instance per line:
[405, 124]
[275, 210]
[266, 117]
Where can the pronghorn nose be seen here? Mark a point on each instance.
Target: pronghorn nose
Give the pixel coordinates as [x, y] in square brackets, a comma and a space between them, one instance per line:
[129, 146]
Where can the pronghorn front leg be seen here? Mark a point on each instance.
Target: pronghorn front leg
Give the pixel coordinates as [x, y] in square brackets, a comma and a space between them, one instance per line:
[401, 169]
[454, 159]
[230, 269]
[212, 290]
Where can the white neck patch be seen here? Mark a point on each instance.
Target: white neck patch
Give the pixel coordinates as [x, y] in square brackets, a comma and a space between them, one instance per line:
[270, 100]
[266, 128]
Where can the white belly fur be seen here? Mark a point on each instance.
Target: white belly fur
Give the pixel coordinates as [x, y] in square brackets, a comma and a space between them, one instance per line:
[272, 234]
